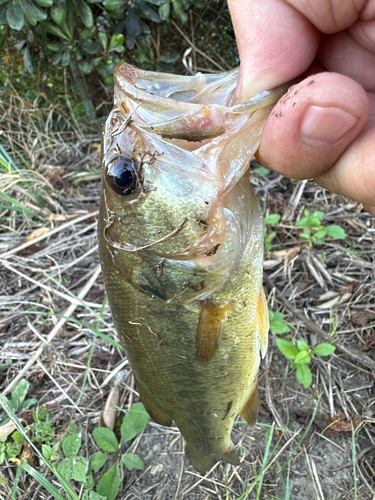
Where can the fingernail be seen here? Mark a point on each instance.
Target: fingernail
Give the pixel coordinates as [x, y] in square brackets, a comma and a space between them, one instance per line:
[322, 127]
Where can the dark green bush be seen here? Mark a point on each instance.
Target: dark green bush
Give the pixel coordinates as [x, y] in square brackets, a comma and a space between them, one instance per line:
[83, 39]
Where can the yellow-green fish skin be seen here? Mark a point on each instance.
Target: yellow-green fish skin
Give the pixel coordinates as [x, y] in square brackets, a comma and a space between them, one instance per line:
[213, 259]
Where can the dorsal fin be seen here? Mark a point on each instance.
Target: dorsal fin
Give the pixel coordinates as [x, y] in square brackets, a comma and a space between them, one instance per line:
[262, 322]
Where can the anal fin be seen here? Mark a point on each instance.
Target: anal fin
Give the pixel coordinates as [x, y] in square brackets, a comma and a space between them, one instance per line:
[250, 410]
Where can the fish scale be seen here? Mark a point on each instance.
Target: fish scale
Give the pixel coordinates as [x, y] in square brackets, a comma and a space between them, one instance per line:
[181, 246]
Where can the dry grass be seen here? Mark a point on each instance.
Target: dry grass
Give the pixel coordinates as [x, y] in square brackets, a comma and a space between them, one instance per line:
[52, 331]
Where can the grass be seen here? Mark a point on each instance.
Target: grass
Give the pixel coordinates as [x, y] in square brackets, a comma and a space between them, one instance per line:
[56, 331]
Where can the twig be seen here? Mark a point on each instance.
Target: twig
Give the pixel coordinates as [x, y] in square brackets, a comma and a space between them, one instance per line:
[353, 353]
[56, 329]
[195, 48]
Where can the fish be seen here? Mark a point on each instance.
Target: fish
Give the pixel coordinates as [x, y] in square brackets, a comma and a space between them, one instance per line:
[181, 248]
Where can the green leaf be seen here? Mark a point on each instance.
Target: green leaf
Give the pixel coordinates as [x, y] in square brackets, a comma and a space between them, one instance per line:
[302, 345]
[109, 484]
[133, 461]
[146, 11]
[15, 17]
[302, 222]
[17, 437]
[84, 13]
[287, 348]
[335, 232]
[58, 13]
[54, 30]
[29, 402]
[179, 11]
[13, 450]
[113, 4]
[304, 376]
[32, 13]
[323, 349]
[65, 468]
[169, 58]
[45, 3]
[91, 495]
[317, 215]
[79, 465]
[97, 460]
[260, 171]
[165, 11]
[105, 439]
[134, 422]
[279, 327]
[20, 390]
[302, 357]
[103, 39]
[72, 444]
[117, 40]
[88, 32]
[88, 482]
[272, 219]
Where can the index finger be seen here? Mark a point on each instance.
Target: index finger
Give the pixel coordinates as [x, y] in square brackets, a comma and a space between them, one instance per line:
[275, 41]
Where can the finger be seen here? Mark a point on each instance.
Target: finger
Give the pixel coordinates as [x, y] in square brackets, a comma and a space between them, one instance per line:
[353, 175]
[275, 42]
[341, 53]
[311, 126]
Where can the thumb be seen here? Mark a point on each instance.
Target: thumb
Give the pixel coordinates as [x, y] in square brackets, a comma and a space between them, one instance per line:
[311, 126]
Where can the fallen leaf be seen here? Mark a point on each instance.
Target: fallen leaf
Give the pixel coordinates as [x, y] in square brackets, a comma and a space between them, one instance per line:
[288, 254]
[362, 318]
[369, 343]
[38, 232]
[108, 417]
[62, 217]
[7, 429]
[27, 455]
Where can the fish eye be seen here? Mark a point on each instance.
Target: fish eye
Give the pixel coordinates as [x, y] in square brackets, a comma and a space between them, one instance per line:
[122, 177]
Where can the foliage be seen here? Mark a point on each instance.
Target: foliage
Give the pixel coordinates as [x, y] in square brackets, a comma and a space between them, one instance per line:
[314, 233]
[84, 37]
[277, 324]
[18, 401]
[64, 449]
[301, 354]
[270, 220]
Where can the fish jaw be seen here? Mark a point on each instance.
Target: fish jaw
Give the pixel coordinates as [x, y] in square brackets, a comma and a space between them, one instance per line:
[182, 250]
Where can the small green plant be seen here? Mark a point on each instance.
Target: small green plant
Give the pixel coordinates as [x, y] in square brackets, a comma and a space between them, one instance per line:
[270, 220]
[261, 171]
[314, 232]
[301, 354]
[277, 324]
[18, 401]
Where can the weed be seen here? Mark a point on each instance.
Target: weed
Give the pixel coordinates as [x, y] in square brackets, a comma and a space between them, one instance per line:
[314, 233]
[71, 466]
[301, 354]
[270, 220]
[277, 324]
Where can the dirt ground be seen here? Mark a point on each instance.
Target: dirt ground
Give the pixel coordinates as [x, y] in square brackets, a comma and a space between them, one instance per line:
[51, 294]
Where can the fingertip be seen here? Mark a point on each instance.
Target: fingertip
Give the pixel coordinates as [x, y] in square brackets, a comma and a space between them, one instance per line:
[312, 125]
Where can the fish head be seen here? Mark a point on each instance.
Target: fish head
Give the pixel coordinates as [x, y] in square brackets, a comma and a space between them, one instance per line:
[177, 210]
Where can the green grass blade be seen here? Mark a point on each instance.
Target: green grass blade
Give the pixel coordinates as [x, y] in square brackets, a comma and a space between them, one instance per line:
[16, 481]
[64, 483]
[42, 481]
[6, 161]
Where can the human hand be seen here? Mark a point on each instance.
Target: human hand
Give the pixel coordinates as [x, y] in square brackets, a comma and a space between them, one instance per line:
[326, 130]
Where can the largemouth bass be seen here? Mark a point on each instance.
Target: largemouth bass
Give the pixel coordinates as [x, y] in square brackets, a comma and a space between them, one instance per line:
[181, 245]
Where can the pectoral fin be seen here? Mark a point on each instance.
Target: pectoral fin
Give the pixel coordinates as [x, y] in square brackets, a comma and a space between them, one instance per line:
[210, 327]
[250, 411]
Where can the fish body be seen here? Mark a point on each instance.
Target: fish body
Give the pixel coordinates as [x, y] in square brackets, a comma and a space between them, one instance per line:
[181, 246]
